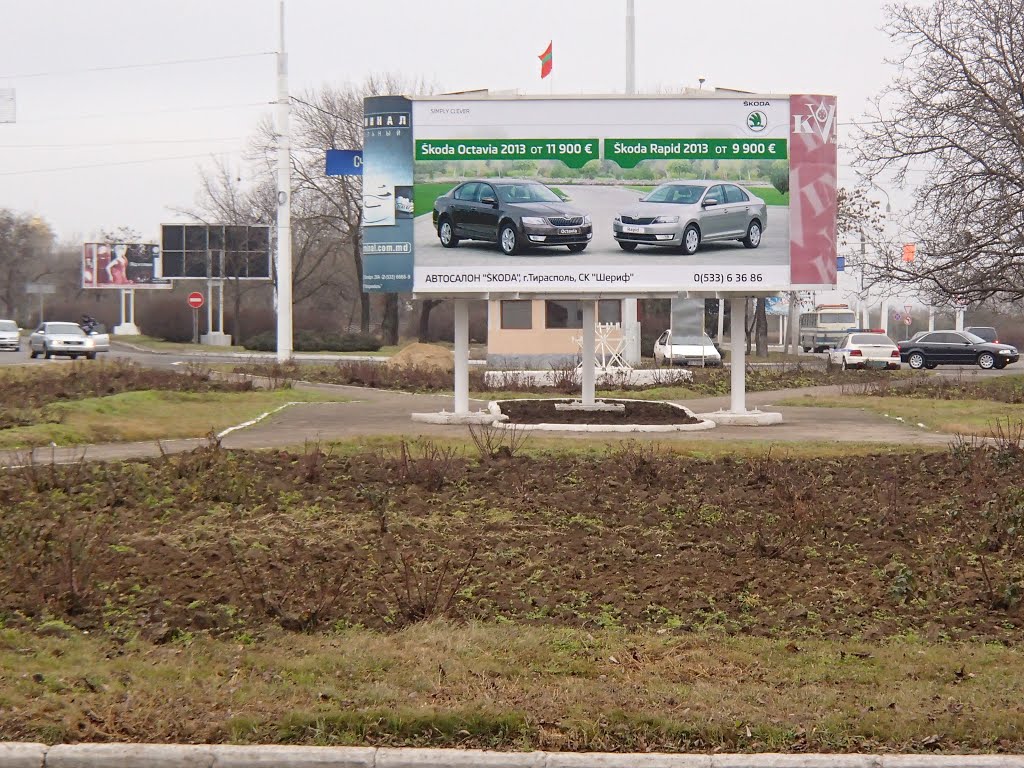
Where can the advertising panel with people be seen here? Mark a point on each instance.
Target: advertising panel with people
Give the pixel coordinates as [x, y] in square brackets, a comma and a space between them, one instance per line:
[594, 195]
[122, 265]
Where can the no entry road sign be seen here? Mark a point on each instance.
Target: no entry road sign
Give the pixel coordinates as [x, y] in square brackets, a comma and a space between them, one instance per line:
[195, 300]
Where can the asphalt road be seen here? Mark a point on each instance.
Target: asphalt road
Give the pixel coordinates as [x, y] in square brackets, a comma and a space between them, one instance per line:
[603, 203]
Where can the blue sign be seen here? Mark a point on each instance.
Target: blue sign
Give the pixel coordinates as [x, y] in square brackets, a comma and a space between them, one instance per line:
[840, 261]
[344, 162]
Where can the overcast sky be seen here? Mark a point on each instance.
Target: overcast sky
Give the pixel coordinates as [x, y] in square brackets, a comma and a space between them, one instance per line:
[102, 149]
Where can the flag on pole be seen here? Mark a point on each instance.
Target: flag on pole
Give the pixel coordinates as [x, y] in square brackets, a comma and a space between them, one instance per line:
[545, 61]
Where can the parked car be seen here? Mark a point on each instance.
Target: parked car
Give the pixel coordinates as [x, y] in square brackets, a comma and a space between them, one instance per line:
[10, 335]
[866, 350]
[928, 350]
[986, 332]
[684, 214]
[515, 214]
[54, 338]
[687, 349]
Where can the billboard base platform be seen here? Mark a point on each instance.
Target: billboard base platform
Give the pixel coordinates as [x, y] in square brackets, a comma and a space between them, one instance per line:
[743, 418]
[447, 417]
[127, 329]
[610, 378]
[215, 339]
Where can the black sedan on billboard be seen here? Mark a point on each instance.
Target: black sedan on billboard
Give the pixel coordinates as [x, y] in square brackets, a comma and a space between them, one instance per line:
[512, 213]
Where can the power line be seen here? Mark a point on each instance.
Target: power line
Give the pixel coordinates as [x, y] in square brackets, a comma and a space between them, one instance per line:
[146, 65]
[114, 164]
[118, 143]
[105, 115]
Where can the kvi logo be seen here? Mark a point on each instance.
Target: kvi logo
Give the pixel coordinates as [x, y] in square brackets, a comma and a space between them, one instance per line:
[819, 120]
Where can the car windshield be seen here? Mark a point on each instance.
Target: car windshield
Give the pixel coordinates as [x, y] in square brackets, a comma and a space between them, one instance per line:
[8, 325]
[872, 338]
[68, 329]
[681, 194]
[691, 340]
[974, 339]
[526, 193]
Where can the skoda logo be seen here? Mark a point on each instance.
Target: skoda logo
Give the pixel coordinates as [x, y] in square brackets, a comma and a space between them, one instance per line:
[757, 121]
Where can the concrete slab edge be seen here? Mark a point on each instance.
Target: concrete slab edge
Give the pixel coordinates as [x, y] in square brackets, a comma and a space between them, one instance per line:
[33, 755]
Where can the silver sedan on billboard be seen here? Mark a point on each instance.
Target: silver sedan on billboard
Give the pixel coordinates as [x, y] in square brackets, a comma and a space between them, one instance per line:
[684, 214]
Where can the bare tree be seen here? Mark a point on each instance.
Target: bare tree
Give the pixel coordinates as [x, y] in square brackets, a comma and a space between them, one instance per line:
[26, 242]
[955, 112]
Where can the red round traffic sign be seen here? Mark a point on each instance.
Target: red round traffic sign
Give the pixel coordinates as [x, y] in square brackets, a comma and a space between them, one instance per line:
[195, 300]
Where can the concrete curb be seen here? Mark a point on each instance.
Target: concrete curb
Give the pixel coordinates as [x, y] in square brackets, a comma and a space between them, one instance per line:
[30, 755]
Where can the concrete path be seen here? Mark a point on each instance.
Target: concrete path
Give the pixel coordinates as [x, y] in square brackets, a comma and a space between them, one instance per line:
[381, 412]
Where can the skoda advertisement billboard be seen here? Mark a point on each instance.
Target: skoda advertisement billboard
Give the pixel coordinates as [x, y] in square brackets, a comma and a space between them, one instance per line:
[599, 195]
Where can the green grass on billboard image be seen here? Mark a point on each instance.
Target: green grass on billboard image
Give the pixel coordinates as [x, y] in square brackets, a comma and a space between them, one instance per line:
[768, 179]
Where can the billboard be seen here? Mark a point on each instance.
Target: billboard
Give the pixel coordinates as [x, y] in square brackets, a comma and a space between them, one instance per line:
[204, 251]
[121, 265]
[589, 195]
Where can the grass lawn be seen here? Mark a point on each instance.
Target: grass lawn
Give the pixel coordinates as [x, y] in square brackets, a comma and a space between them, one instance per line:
[514, 688]
[172, 346]
[152, 415]
[968, 417]
[424, 196]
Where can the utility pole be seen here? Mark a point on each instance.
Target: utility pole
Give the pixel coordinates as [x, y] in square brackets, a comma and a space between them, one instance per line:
[284, 203]
[630, 321]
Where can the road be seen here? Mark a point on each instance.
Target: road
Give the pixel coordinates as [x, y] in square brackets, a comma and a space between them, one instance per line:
[603, 203]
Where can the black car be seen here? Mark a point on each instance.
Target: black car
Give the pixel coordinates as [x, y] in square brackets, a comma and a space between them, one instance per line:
[927, 350]
[512, 213]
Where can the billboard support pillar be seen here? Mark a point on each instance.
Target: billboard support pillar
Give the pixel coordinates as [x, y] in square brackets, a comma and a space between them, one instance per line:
[737, 338]
[959, 319]
[127, 325]
[589, 357]
[721, 320]
[461, 356]
[931, 318]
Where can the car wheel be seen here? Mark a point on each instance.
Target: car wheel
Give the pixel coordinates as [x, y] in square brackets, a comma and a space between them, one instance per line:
[32, 353]
[806, 349]
[509, 240]
[931, 366]
[753, 238]
[916, 361]
[986, 361]
[578, 247]
[1000, 364]
[627, 246]
[691, 240]
[446, 233]
[844, 366]
[46, 352]
[91, 356]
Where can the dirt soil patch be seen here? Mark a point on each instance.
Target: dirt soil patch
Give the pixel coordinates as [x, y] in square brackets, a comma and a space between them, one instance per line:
[220, 541]
[420, 355]
[636, 412]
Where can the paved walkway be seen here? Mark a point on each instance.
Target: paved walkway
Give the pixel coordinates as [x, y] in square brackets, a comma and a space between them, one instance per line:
[381, 413]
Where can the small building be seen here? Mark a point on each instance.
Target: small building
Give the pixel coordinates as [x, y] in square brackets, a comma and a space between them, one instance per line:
[540, 333]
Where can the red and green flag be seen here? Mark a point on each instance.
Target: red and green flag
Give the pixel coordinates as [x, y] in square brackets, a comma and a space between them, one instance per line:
[545, 61]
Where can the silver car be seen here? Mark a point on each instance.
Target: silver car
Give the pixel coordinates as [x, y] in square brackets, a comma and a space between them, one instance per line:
[684, 214]
[10, 335]
[69, 339]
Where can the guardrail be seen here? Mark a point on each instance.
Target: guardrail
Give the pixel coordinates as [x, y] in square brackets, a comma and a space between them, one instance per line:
[27, 755]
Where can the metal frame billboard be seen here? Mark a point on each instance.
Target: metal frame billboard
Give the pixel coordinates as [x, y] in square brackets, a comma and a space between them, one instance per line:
[215, 251]
[122, 265]
[585, 231]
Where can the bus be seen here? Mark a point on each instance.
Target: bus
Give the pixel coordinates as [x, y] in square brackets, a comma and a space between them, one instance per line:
[825, 326]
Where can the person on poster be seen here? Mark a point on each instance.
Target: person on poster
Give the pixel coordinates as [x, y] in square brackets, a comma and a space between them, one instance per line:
[117, 267]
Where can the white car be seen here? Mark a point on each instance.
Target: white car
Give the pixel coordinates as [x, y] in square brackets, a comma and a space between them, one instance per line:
[686, 349]
[10, 335]
[68, 339]
[866, 350]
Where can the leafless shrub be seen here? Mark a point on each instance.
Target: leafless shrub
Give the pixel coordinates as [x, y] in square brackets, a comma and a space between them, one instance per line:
[494, 442]
[310, 465]
[642, 463]
[421, 462]
[417, 590]
[300, 588]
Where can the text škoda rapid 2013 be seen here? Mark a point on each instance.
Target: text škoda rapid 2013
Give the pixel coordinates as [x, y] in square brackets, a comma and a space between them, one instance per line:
[603, 278]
